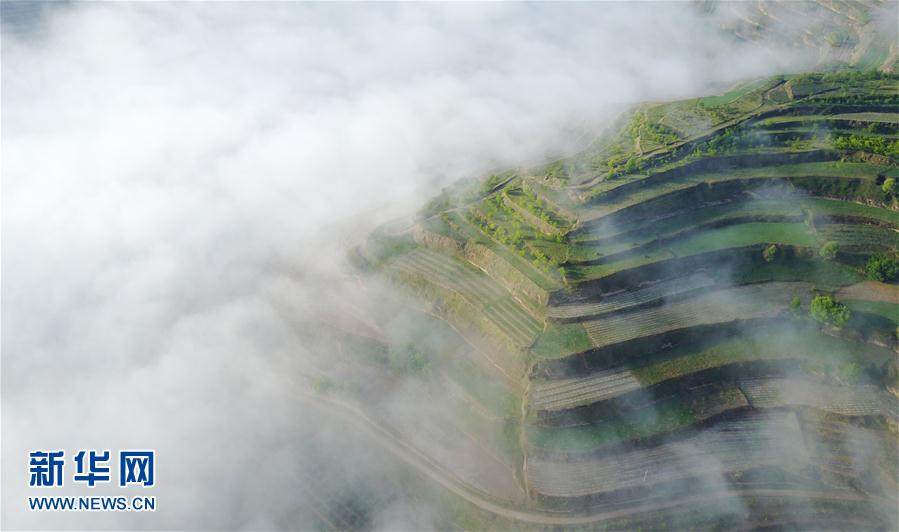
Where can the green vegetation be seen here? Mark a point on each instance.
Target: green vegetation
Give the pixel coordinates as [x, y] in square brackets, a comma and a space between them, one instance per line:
[505, 225]
[795, 234]
[826, 309]
[409, 359]
[815, 351]
[876, 145]
[819, 271]
[729, 98]
[829, 250]
[562, 339]
[734, 236]
[537, 207]
[882, 268]
[668, 416]
[860, 238]
[841, 38]
[884, 309]
[830, 207]
[385, 248]
[705, 235]
[492, 182]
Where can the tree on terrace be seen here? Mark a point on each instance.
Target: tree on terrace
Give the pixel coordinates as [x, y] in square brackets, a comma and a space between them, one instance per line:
[829, 250]
[882, 268]
[826, 309]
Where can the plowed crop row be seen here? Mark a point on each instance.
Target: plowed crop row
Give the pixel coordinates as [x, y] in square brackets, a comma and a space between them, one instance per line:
[756, 441]
[631, 298]
[569, 393]
[854, 401]
[745, 302]
[475, 286]
[860, 236]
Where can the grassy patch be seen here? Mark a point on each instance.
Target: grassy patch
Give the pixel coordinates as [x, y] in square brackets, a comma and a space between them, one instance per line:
[735, 236]
[734, 95]
[385, 248]
[562, 339]
[816, 351]
[817, 271]
[668, 227]
[845, 208]
[474, 235]
[836, 169]
[884, 309]
[797, 234]
[665, 417]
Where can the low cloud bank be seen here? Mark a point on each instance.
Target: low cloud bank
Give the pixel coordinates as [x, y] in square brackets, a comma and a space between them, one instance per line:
[176, 174]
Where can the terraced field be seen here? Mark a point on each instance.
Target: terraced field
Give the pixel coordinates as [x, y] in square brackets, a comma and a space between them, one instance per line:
[570, 393]
[497, 304]
[747, 302]
[861, 237]
[728, 446]
[686, 303]
[847, 401]
[656, 292]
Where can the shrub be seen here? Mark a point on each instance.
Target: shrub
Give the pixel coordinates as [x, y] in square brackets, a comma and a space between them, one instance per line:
[490, 183]
[323, 385]
[770, 253]
[882, 268]
[889, 185]
[409, 359]
[829, 250]
[851, 372]
[826, 309]
[878, 145]
[795, 304]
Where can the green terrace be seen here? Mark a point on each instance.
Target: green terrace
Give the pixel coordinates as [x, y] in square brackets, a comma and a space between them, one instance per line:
[639, 234]
[455, 226]
[849, 180]
[656, 231]
[674, 413]
[479, 289]
[706, 348]
[734, 445]
[698, 243]
[817, 353]
[691, 285]
[842, 363]
[709, 307]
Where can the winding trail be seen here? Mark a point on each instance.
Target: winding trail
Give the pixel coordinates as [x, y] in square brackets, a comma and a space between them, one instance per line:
[421, 462]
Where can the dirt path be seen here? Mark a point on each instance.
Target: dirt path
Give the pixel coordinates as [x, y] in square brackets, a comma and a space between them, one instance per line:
[871, 291]
[763, 108]
[435, 472]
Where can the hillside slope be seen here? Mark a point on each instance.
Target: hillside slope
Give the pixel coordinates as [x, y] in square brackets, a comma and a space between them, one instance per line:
[681, 308]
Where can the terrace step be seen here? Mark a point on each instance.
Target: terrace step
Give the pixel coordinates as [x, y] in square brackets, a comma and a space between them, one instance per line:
[728, 446]
[497, 304]
[569, 393]
[719, 306]
[861, 237]
[628, 299]
[854, 401]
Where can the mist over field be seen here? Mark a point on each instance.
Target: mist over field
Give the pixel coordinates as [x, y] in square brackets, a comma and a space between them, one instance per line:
[181, 183]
